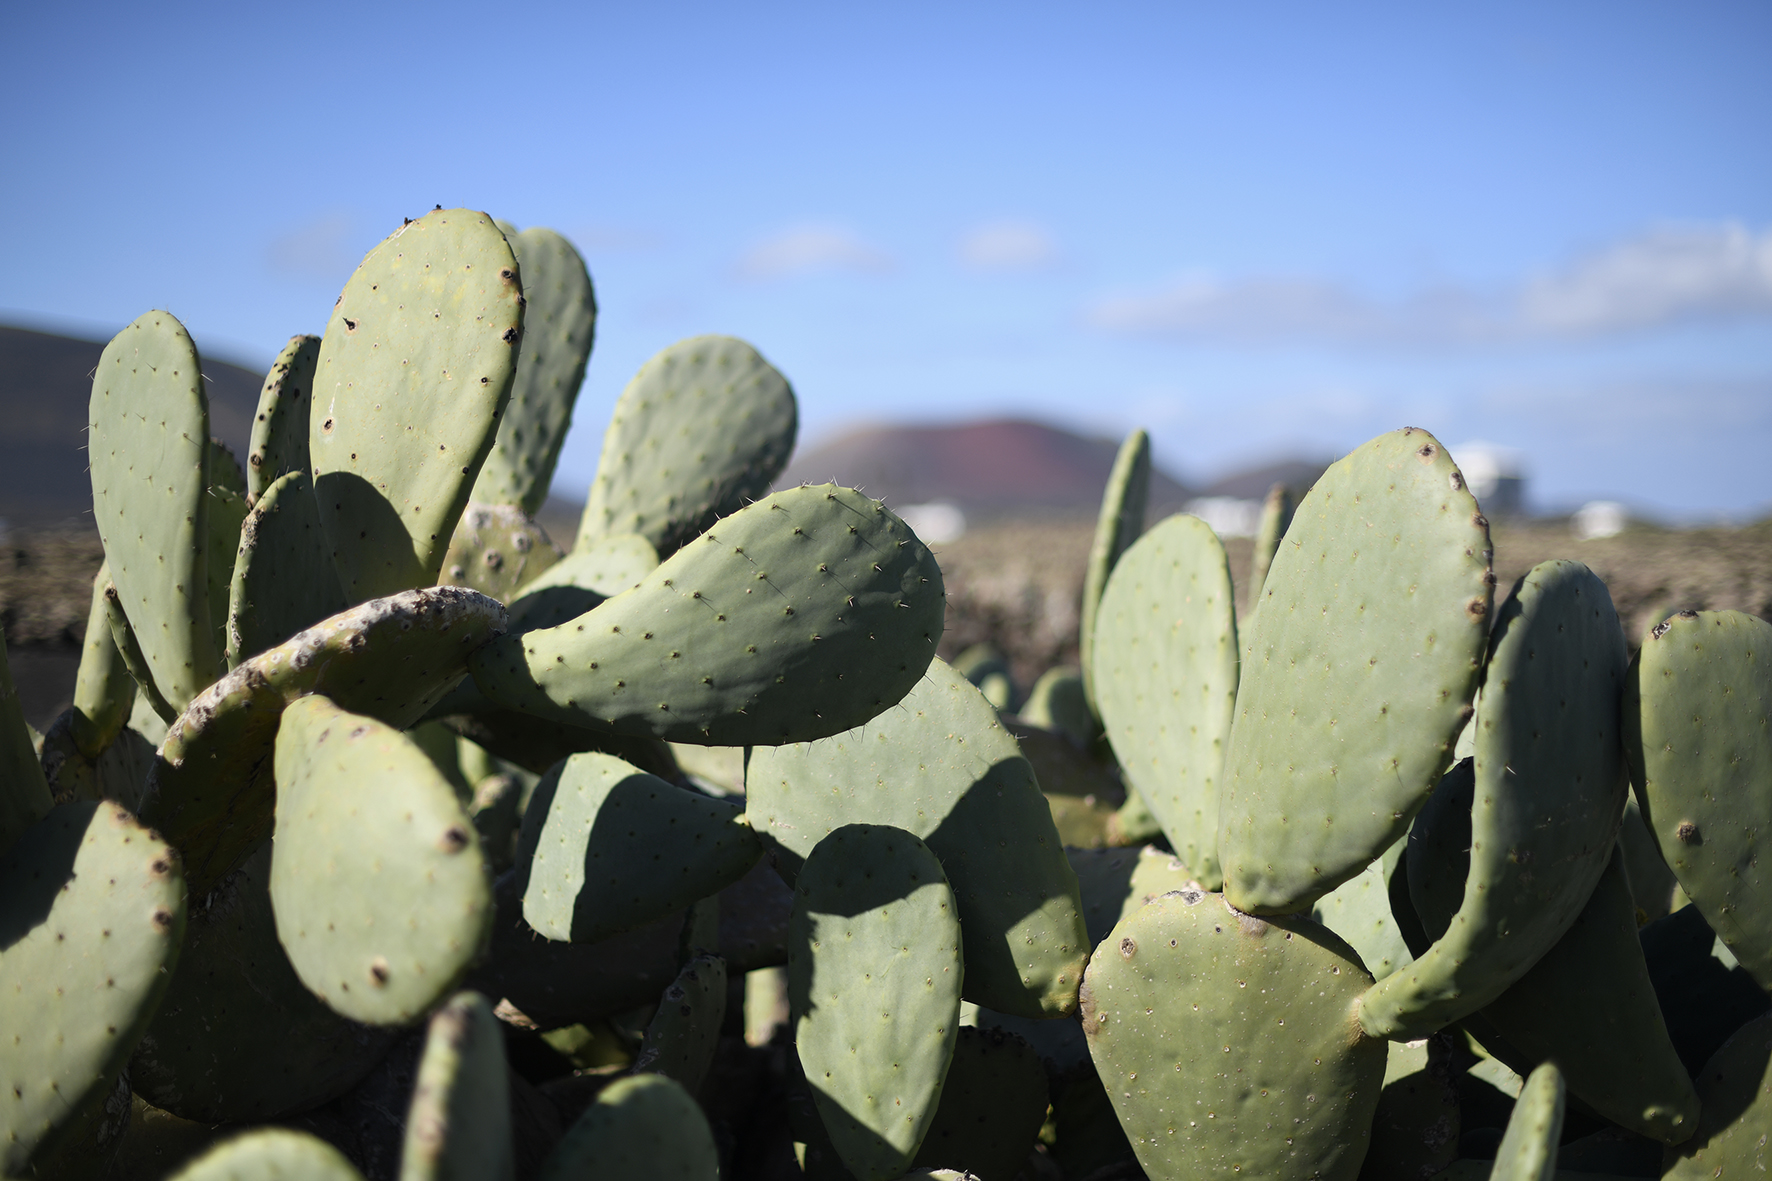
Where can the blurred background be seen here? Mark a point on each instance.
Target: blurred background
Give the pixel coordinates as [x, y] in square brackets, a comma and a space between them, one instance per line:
[1542, 232]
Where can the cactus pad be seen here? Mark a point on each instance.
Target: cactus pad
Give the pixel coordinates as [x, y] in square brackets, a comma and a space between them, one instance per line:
[148, 695]
[941, 766]
[76, 1003]
[238, 1037]
[1359, 910]
[797, 617]
[992, 1104]
[685, 1031]
[1548, 791]
[103, 689]
[406, 906]
[1736, 1088]
[496, 549]
[702, 430]
[1116, 882]
[1229, 1044]
[645, 1128]
[413, 373]
[581, 580]
[1276, 515]
[280, 425]
[271, 1154]
[459, 1125]
[1120, 522]
[283, 579]
[607, 848]
[559, 324]
[227, 513]
[1528, 1149]
[874, 961]
[148, 444]
[1357, 672]
[1700, 750]
[393, 658]
[1165, 679]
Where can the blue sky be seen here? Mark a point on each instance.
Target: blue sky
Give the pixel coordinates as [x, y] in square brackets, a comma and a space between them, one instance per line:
[1276, 230]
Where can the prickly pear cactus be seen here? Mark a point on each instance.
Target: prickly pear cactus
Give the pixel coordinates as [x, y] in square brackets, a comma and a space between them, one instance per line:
[459, 1125]
[1528, 1149]
[702, 430]
[1736, 1089]
[496, 549]
[1696, 734]
[405, 907]
[874, 961]
[413, 373]
[1229, 1044]
[148, 442]
[1357, 672]
[283, 577]
[1166, 679]
[103, 689]
[271, 1154]
[1276, 515]
[682, 1036]
[992, 1103]
[797, 617]
[1120, 522]
[559, 325]
[280, 424]
[645, 1128]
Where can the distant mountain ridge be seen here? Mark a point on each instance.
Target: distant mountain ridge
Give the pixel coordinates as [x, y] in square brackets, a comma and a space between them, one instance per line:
[995, 468]
[45, 385]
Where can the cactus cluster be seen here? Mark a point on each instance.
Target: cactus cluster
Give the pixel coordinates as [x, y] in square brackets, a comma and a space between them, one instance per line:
[375, 809]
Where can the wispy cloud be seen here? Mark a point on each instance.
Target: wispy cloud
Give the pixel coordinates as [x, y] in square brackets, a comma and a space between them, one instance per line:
[1666, 276]
[320, 249]
[1009, 246]
[809, 248]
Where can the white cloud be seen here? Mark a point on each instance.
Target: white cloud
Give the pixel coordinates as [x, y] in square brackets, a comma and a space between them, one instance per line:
[807, 248]
[1662, 277]
[1008, 246]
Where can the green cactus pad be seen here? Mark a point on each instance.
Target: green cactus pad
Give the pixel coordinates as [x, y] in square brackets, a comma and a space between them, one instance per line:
[280, 425]
[24, 793]
[1058, 702]
[1117, 526]
[1357, 672]
[412, 376]
[1276, 516]
[1736, 1089]
[75, 1003]
[607, 848]
[271, 1154]
[1229, 1044]
[406, 906]
[1549, 788]
[1115, 882]
[459, 1125]
[148, 694]
[993, 1102]
[1528, 1149]
[702, 430]
[1081, 786]
[283, 580]
[211, 790]
[1359, 910]
[496, 549]
[103, 689]
[238, 1037]
[941, 765]
[874, 968]
[1617, 1056]
[148, 446]
[119, 773]
[581, 580]
[683, 1034]
[1652, 883]
[227, 513]
[1165, 679]
[1700, 751]
[225, 471]
[559, 324]
[795, 618]
[645, 1128]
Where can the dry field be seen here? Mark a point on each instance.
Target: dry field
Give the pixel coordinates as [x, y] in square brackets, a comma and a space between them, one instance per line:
[1015, 584]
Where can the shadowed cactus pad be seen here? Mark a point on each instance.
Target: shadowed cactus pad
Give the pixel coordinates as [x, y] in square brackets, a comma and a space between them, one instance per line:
[75, 1004]
[702, 430]
[607, 848]
[992, 1104]
[414, 371]
[1700, 749]
[797, 617]
[941, 765]
[148, 443]
[1165, 679]
[1548, 793]
[1357, 672]
[272, 1154]
[1736, 1088]
[645, 1128]
[1229, 1044]
[406, 905]
[459, 1125]
[684, 1032]
[1528, 1149]
[874, 968]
